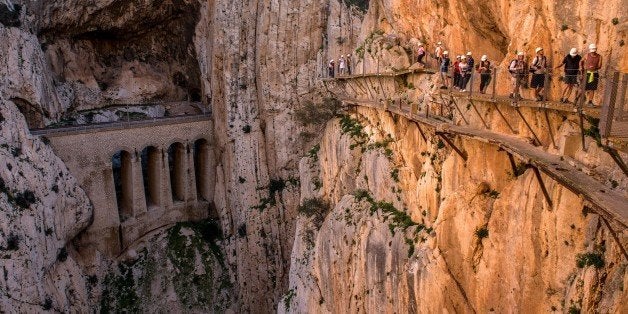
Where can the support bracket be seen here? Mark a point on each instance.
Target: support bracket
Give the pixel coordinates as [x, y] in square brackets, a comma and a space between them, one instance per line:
[460, 152]
[537, 173]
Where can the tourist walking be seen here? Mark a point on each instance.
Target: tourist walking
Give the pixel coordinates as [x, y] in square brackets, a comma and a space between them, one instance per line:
[571, 62]
[538, 70]
[484, 68]
[465, 69]
[439, 52]
[349, 64]
[421, 54]
[342, 65]
[331, 68]
[591, 64]
[457, 75]
[517, 69]
[467, 76]
[444, 69]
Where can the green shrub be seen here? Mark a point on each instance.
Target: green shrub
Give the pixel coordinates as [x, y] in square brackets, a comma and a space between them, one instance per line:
[317, 114]
[316, 206]
[481, 232]
[590, 259]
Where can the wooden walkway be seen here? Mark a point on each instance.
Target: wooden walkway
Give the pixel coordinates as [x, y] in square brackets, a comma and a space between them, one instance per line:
[381, 74]
[604, 201]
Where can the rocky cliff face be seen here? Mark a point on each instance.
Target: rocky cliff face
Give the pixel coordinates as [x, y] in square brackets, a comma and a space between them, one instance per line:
[396, 223]
[394, 216]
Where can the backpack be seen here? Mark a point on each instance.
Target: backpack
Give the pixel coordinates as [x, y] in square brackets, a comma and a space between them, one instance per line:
[512, 64]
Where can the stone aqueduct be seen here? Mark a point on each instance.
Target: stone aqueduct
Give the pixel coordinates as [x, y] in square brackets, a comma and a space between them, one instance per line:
[140, 177]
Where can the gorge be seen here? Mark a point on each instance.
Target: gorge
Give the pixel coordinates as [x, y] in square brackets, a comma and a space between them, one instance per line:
[195, 156]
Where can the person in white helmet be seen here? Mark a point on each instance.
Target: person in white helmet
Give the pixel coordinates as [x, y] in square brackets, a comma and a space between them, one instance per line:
[539, 70]
[438, 53]
[467, 77]
[342, 65]
[421, 54]
[591, 64]
[571, 62]
[484, 68]
[349, 64]
[517, 69]
[465, 70]
[457, 75]
[331, 68]
[445, 64]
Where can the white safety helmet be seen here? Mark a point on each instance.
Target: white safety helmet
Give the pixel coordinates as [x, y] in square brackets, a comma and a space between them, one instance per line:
[445, 52]
[469, 53]
[464, 57]
[420, 44]
[520, 53]
[573, 52]
[592, 47]
[440, 43]
[342, 56]
[484, 58]
[538, 49]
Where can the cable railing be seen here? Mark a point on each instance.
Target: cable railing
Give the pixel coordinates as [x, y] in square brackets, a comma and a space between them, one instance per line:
[603, 95]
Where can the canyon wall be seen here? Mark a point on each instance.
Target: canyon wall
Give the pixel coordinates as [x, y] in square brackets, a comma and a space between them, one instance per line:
[392, 222]
[256, 66]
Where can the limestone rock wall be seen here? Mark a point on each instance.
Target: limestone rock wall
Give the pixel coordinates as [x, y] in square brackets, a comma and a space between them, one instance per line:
[42, 210]
[412, 227]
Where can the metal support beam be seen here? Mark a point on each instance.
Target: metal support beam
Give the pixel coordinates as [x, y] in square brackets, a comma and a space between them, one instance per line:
[549, 127]
[460, 152]
[418, 125]
[504, 118]
[536, 138]
[537, 173]
[614, 235]
[581, 124]
[478, 112]
[452, 100]
[513, 165]
[617, 158]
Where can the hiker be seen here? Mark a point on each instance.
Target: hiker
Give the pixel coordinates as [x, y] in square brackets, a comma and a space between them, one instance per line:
[421, 54]
[464, 73]
[538, 70]
[590, 64]
[467, 76]
[444, 69]
[342, 65]
[571, 62]
[484, 68]
[331, 68]
[439, 52]
[349, 65]
[457, 76]
[517, 69]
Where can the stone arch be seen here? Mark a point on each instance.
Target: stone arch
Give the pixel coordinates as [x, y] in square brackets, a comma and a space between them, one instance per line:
[151, 174]
[176, 165]
[201, 168]
[122, 168]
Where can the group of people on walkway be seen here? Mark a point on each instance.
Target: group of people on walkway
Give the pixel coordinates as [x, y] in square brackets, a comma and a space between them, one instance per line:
[344, 66]
[576, 69]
